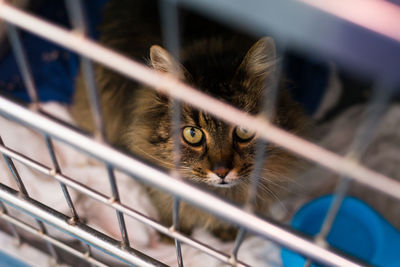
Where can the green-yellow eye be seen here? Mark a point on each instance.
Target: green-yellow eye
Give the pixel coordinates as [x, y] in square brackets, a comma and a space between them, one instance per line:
[243, 135]
[192, 135]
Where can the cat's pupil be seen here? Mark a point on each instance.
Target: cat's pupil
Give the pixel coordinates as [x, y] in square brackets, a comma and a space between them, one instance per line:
[192, 132]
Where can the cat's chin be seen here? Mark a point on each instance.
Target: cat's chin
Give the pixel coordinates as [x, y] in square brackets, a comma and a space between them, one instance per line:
[223, 184]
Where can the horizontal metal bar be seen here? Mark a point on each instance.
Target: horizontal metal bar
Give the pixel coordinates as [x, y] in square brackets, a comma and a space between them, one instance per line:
[178, 90]
[26, 227]
[358, 35]
[78, 230]
[167, 183]
[116, 205]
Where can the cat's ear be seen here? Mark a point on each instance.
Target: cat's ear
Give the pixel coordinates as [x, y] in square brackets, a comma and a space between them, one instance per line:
[163, 61]
[258, 64]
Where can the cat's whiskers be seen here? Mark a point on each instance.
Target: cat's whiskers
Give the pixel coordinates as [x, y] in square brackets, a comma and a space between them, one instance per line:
[269, 191]
[280, 176]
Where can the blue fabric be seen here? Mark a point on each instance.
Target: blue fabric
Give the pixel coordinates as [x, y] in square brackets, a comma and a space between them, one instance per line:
[308, 79]
[54, 68]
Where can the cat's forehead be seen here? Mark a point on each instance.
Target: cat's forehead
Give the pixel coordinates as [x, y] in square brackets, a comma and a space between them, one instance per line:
[205, 121]
[212, 64]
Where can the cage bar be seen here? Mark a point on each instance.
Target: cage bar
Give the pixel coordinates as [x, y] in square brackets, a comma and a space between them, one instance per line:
[3, 211]
[268, 109]
[185, 93]
[14, 172]
[23, 192]
[344, 166]
[238, 241]
[118, 206]
[77, 16]
[374, 111]
[28, 80]
[115, 198]
[23, 65]
[175, 227]
[308, 263]
[80, 231]
[171, 37]
[65, 247]
[57, 169]
[78, 20]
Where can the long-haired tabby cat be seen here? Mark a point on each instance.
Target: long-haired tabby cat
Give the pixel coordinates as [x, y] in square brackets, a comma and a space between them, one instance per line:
[214, 155]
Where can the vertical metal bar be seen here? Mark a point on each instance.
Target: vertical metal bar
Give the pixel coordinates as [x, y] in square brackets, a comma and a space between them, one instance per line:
[23, 65]
[176, 113]
[115, 198]
[268, 109]
[14, 172]
[175, 226]
[170, 31]
[256, 174]
[56, 169]
[271, 91]
[238, 241]
[93, 96]
[171, 37]
[340, 193]
[364, 135]
[13, 229]
[374, 111]
[50, 247]
[170, 26]
[77, 18]
[308, 263]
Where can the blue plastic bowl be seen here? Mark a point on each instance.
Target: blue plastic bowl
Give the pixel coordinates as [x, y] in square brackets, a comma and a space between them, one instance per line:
[358, 231]
[9, 261]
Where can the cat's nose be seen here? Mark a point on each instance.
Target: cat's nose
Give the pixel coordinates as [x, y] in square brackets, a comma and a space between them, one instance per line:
[221, 171]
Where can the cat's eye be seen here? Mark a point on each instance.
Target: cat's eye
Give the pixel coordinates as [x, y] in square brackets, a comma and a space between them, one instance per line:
[243, 135]
[192, 135]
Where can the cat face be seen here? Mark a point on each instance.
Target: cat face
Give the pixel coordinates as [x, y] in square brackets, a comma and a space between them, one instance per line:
[212, 152]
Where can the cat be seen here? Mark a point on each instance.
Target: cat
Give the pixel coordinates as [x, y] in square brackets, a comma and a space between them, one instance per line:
[215, 156]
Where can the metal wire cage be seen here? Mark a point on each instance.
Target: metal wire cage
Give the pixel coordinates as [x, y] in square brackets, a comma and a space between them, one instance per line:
[381, 40]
